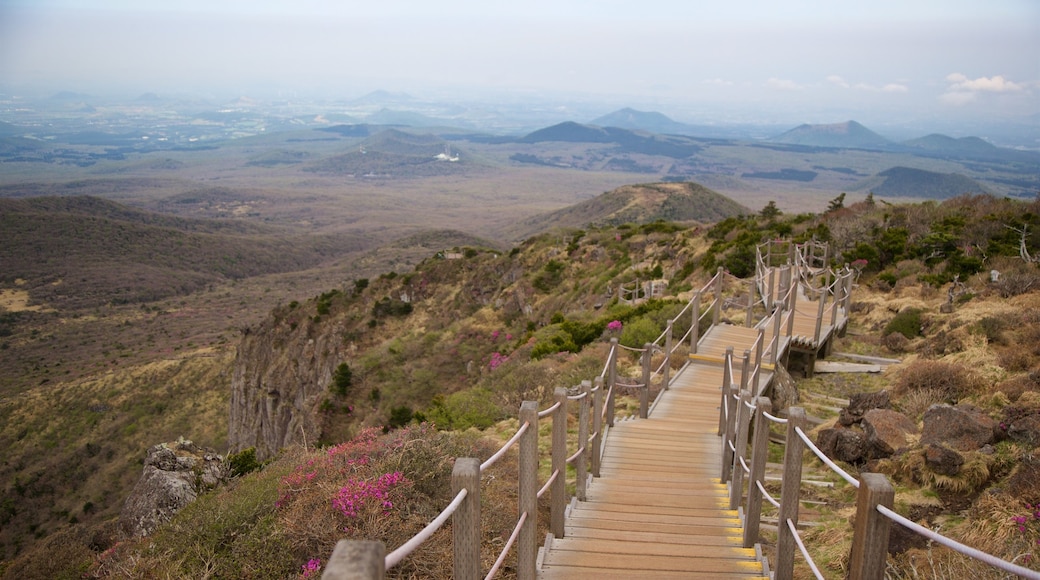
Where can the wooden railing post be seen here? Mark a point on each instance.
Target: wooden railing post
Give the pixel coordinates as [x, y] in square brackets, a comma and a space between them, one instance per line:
[772, 287]
[644, 394]
[465, 522]
[778, 317]
[792, 482]
[750, 304]
[736, 487]
[581, 467]
[819, 315]
[612, 381]
[597, 425]
[726, 411]
[745, 370]
[667, 370]
[527, 542]
[758, 361]
[696, 322]
[356, 560]
[558, 490]
[759, 452]
[870, 535]
[718, 298]
[727, 380]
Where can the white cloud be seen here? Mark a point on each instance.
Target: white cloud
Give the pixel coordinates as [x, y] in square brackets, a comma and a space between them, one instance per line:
[718, 82]
[837, 80]
[895, 88]
[994, 84]
[783, 84]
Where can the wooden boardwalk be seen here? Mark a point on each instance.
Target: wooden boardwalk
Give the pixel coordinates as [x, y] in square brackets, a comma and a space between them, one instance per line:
[658, 508]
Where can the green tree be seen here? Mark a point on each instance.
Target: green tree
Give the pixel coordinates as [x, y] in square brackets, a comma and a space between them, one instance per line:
[342, 379]
[770, 211]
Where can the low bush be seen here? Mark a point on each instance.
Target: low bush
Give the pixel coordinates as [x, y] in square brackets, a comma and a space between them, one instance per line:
[908, 323]
[949, 382]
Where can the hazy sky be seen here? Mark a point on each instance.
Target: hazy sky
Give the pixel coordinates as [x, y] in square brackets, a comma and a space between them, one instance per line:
[926, 57]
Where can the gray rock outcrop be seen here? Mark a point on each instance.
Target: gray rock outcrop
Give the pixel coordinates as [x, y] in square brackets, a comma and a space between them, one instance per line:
[174, 475]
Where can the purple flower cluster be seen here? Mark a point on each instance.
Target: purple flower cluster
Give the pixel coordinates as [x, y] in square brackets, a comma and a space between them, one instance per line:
[311, 568]
[497, 359]
[614, 325]
[353, 497]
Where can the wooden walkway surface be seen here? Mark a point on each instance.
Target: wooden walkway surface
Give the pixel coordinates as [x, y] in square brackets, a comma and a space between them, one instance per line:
[658, 508]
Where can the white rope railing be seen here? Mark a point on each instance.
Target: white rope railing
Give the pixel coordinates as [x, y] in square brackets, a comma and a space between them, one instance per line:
[606, 366]
[959, 547]
[805, 553]
[548, 484]
[502, 451]
[577, 397]
[394, 558]
[766, 496]
[505, 550]
[549, 411]
[744, 466]
[826, 460]
[774, 419]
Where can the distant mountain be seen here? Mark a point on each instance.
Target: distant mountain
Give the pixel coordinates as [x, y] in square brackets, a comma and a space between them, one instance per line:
[847, 135]
[569, 132]
[945, 147]
[628, 141]
[394, 153]
[651, 121]
[641, 203]
[918, 183]
[409, 118]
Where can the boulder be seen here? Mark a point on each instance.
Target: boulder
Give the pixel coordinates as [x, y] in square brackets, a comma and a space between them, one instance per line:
[942, 460]
[174, 475]
[846, 445]
[860, 403]
[887, 432]
[963, 428]
[1025, 429]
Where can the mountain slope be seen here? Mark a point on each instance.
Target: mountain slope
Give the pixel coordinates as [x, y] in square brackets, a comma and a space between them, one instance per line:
[641, 203]
[847, 135]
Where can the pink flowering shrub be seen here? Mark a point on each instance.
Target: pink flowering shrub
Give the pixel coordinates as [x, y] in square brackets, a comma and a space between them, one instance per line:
[614, 325]
[497, 359]
[312, 569]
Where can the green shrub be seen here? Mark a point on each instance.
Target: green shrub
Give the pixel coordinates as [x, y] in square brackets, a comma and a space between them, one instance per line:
[243, 462]
[400, 416]
[465, 409]
[342, 379]
[639, 332]
[907, 323]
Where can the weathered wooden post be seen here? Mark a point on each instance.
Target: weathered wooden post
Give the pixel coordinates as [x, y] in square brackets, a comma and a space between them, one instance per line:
[581, 467]
[725, 412]
[759, 452]
[772, 286]
[465, 522]
[870, 534]
[527, 542]
[558, 490]
[819, 314]
[718, 298]
[644, 394]
[778, 317]
[792, 482]
[745, 370]
[758, 361]
[667, 370]
[612, 381]
[750, 304]
[727, 380]
[597, 425]
[356, 560]
[695, 308]
[736, 487]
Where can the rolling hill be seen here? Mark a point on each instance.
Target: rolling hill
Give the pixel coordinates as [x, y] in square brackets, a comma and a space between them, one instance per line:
[918, 183]
[394, 153]
[634, 120]
[847, 135]
[642, 203]
[83, 251]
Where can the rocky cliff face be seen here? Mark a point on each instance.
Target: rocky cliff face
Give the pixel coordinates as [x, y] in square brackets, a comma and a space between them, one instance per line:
[281, 376]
